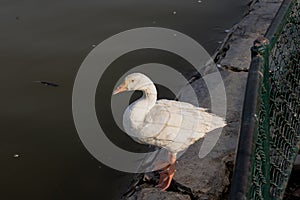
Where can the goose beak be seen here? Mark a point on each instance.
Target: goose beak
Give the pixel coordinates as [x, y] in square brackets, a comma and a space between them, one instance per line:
[121, 88]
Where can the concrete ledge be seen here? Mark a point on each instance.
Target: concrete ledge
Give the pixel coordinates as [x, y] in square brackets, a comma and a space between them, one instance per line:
[156, 194]
[234, 54]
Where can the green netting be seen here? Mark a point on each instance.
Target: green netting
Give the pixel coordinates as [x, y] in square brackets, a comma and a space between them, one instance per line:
[259, 186]
[275, 134]
[284, 72]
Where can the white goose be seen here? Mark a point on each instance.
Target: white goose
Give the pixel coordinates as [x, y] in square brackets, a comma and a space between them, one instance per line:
[167, 124]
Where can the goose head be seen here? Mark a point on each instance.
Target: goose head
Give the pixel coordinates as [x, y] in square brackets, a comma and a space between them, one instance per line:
[135, 81]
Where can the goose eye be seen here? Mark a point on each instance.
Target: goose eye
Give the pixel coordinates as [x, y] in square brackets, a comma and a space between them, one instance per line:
[132, 81]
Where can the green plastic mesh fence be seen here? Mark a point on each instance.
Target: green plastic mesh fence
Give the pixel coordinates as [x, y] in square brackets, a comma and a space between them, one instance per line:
[284, 72]
[271, 115]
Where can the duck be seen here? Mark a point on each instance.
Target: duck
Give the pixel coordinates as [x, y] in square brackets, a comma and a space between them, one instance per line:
[169, 124]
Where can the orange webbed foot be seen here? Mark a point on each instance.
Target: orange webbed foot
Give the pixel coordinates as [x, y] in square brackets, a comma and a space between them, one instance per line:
[166, 177]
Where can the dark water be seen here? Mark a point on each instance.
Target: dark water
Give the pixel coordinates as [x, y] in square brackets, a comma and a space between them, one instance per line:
[48, 40]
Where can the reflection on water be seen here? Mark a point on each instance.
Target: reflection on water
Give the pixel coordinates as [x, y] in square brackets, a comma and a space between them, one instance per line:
[41, 154]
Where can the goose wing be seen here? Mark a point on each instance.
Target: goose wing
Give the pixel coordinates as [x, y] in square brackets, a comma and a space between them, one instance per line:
[176, 125]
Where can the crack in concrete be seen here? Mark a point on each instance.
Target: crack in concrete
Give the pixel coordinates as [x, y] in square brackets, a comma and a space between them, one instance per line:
[235, 69]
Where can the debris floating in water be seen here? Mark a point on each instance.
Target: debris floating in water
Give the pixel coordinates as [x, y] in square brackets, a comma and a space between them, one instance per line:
[199, 1]
[47, 83]
[174, 12]
[220, 42]
[227, 30]
[94, 45]
[16, 155]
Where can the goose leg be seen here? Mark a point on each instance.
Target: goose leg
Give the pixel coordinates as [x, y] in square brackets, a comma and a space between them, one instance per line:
[161, 165]
[167, 174]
